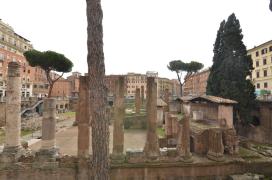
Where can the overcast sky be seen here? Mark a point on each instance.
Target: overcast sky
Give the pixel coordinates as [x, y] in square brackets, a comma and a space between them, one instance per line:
[139, 35]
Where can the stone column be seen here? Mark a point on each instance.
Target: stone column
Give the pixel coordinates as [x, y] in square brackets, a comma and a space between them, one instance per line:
[137, 101]
[119, 114]
[174, 120]
[151, 148]
[183, 144]
[48, 151]
[83, 142]
[216, 148]
[12, 147]
[166, 99]
[142, 95]
[168, 125]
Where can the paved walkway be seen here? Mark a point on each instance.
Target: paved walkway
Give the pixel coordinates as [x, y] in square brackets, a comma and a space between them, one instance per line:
[67, 140]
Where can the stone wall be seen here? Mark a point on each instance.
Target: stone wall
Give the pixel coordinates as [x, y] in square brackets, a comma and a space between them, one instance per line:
[73, 169]
[209, 111]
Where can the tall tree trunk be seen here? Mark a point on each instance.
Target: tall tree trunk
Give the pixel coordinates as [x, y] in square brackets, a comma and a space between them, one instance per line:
[98, 91]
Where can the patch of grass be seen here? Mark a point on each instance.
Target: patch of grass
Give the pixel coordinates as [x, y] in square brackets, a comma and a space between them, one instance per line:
[70, 113]
[160, 132]
[247, 154]
[26, 132]
[2, 136]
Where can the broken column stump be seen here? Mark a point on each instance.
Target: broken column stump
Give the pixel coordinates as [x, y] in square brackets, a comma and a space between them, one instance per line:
[183, 144]
[216, 148]
[48, 151]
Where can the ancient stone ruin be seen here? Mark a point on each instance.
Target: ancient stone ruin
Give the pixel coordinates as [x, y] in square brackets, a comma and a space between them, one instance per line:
[200, 140]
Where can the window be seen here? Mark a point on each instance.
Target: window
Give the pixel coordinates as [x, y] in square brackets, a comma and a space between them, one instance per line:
[265, 85]
[270, 48]
[28, 71]
[258, 85]
[264, 51]
[265, 73]
[35, 85]
[264, 61]
[1, 56]
[257, 53]
[257, 74]
[257, 63]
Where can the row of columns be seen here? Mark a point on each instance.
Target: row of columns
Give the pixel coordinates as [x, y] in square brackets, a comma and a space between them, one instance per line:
[12, 147]
[151, 148]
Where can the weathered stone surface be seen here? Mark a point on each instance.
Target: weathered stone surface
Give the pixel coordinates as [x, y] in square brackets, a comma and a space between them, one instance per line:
[142, 95]
[183, 145]
[216, 148]
[230, 141]
[166, 100]
[137, 101]
[119, 114]
[48, 143]
[168, 125]
[151, 148]
[175, 125]
[12, 147]
[83, 118]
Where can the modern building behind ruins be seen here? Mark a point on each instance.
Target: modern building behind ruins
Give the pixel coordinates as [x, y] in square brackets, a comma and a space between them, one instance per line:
[137, 80]
[196, 84]
[12, 47]
[262, 62]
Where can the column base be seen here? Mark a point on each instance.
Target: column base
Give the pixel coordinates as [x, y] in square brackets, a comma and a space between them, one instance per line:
[186, 158]
[118, 158]
[215, 156]
[47, 155]
[12, 154]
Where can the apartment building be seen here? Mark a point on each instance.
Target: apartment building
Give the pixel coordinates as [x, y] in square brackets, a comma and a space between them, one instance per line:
[12, 47]
[196, 84]
[134, 81]
[262, 62]
[137, 80]
[68, 87]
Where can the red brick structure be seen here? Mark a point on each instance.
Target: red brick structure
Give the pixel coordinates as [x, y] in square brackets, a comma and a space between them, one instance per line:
[196, 84]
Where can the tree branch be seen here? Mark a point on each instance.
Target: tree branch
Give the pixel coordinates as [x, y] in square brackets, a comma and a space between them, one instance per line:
[57, 78]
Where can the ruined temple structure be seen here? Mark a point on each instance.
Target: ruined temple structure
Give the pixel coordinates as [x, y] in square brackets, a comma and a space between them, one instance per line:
[211, 125]
[211, 121]
[203, 136]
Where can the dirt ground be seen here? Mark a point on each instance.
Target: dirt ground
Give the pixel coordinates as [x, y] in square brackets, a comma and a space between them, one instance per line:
[66, 140]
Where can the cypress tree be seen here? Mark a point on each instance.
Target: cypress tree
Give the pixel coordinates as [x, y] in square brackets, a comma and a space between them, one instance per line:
[213, 81]
[232, 69]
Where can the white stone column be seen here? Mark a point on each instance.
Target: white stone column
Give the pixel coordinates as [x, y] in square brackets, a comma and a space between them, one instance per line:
[12, 148]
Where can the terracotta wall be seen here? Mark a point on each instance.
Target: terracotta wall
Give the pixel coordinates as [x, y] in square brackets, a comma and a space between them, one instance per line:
[226, 112]
[70, 170]
[210, 111]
